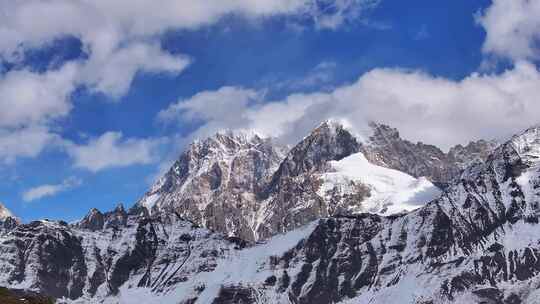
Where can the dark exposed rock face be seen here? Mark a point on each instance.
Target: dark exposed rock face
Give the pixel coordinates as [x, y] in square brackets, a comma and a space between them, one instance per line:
[247, 186]
[327, 142]
[46, 254]
[327, 257]
[93, 221]
[8, 224]
[216, 182]
[292, 199]
[235, 295]
[388, 149]
[18, 296]
[478, 243]
[364, 258]
[59, 260]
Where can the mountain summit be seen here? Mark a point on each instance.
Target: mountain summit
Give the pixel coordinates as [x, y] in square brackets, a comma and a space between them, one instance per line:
[251, 187]
[333, 218]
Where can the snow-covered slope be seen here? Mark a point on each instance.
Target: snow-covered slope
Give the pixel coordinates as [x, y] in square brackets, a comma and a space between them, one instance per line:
[244, 185]
[390, 191]
[233, 269]
[477, 243]
[132, 250]
[527, 145]
[386, 148]
[478, 240]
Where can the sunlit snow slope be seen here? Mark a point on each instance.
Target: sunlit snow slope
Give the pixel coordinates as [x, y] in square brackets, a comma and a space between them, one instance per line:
[390, 191]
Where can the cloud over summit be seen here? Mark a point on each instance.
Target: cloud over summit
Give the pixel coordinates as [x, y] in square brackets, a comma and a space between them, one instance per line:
[119, 39]
[423, 107]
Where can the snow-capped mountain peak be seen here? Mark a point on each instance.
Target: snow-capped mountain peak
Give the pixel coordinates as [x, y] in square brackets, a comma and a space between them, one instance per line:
[527, 144]
[242, 184]
[477, 242]
[386, 148]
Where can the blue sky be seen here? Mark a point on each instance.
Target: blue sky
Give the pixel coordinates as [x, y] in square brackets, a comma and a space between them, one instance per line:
[269, 55]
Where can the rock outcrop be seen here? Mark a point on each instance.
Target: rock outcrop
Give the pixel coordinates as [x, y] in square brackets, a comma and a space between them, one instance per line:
[184, 242]
[247, 186]
[386, 148]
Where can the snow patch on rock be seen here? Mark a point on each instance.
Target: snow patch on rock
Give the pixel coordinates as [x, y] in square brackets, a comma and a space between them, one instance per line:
[391, 191]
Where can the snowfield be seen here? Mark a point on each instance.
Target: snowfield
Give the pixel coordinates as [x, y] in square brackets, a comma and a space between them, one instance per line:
[391, 191]
[320, 217]
[237, 268]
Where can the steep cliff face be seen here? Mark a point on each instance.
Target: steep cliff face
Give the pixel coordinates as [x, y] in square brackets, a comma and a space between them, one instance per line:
[475, 151]
[88, 262]
[292, 199]
[216, 182]
[44, 256]
[14, 296]
[386, 148]
[247, 186]
[476, 243]
[96, 221]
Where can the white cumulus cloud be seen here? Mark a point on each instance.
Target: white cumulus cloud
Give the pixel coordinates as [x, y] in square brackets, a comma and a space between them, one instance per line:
[111, 150]
[423, 107]
[103, 24]
[42, 191]
[223, 108]
[28, 98]
[26, 142]
[120, 38]
[112, 73]
[29, 104]
[512, 29]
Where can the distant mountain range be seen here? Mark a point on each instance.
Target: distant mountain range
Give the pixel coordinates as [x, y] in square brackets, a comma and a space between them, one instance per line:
[337, 218]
